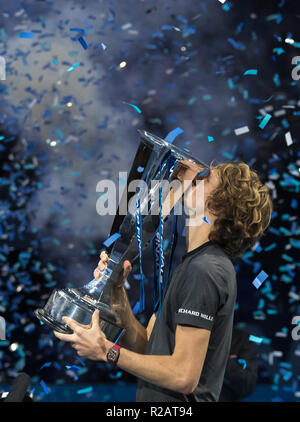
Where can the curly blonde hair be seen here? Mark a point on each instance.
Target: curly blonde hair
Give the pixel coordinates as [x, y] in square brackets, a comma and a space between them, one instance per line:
[243, 207]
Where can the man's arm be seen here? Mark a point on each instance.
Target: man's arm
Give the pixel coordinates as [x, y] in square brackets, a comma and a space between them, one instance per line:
[136, 336]
[180, 371]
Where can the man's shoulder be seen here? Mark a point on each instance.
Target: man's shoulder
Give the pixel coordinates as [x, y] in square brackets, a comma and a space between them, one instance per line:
[213, 260]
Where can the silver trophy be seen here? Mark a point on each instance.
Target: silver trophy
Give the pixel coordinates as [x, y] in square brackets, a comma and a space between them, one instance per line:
[159, 160]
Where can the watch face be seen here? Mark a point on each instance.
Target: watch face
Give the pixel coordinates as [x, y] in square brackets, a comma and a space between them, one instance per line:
[113, 354]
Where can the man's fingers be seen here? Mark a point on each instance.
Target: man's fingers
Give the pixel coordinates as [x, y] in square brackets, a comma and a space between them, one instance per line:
[127, 268]
[86, 327]
[65, 337]
[74, 325]
[101, 265]
[96, 274]
[104, 256]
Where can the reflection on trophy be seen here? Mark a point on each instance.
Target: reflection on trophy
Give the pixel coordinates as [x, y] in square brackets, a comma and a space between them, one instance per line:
[159, 160]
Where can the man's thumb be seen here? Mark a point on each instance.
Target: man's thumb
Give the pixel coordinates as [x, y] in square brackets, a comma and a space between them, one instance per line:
[95, 317]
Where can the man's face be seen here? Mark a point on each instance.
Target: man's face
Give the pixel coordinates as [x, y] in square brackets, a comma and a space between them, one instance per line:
[201, 190]
[211, 183]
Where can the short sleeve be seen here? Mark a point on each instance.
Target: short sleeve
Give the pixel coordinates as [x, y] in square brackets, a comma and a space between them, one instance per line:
[200, 295]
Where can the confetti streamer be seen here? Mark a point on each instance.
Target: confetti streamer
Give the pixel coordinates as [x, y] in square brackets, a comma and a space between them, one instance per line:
[172, 135]
[116, 342]
[111, 239]
[134, 106]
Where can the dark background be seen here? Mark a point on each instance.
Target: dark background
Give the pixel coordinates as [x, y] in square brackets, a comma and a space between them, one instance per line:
[53, 154]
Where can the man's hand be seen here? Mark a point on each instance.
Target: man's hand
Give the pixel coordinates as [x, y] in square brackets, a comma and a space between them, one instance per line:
[88, 340]
[118, 298]
[102, 264]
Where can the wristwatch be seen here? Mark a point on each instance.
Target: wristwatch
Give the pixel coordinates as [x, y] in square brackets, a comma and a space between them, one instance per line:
[113, 354]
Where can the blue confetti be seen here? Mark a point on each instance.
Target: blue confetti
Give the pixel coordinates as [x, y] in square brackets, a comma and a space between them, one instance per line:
[259, 279]
[243, 362]
[136, 307]
[134, 106]
[28, 35]
[172, 135]
[251, 72]
[82, 31]
[46, 365]
[83, 43]
[73, 67]
[73, 367]
[44, 387]
[265, 120]
[111, 239]
[255, 339]
[85, 390]
[115, 376]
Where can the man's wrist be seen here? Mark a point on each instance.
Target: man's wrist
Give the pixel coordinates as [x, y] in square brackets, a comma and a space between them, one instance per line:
[107, 345]
[113, 353]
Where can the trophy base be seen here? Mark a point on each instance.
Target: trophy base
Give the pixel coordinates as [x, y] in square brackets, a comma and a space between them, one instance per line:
[111, 330]
[51, 322]
[71, 303]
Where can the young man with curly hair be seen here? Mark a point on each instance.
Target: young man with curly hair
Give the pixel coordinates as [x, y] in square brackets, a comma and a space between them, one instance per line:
[182, 354]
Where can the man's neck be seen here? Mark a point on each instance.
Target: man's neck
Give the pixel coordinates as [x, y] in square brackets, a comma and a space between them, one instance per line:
[196, 235]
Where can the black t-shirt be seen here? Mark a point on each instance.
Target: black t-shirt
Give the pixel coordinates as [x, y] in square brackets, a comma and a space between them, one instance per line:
[201, 293]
